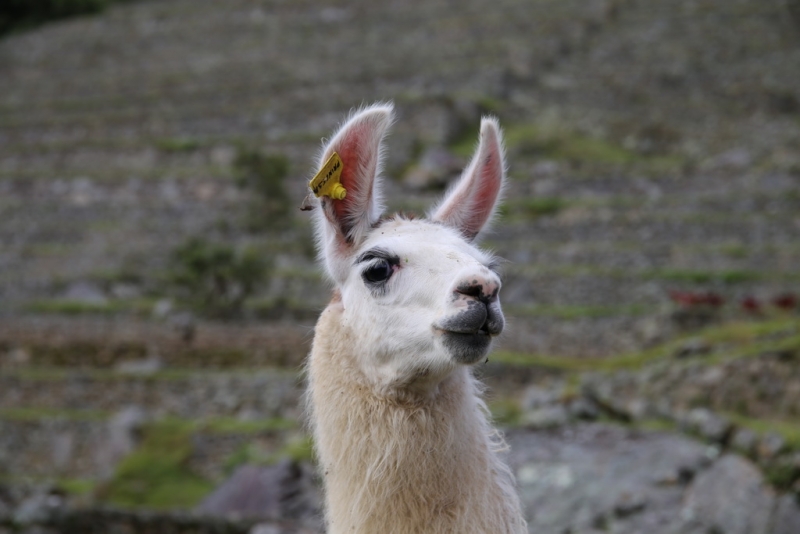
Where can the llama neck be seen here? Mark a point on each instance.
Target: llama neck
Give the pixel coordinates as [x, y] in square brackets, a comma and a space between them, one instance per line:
[404, 464]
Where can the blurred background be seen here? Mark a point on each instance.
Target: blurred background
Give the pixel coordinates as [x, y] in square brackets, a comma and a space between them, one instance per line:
[158, 285]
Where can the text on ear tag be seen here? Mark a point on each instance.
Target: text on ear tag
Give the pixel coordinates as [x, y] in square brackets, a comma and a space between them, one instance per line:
[326, 182]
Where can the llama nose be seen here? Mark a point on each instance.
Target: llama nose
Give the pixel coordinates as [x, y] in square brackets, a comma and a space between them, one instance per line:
[481, 298]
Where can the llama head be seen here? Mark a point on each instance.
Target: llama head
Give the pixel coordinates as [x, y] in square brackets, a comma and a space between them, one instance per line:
[418, 296]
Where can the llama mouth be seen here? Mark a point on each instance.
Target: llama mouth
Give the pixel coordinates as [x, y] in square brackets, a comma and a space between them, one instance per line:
[467, 348]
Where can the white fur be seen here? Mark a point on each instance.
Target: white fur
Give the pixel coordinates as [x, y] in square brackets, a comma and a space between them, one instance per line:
[401, 433]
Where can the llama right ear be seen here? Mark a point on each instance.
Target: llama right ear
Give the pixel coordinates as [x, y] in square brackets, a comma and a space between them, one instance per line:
[471, 203]
[343, 224]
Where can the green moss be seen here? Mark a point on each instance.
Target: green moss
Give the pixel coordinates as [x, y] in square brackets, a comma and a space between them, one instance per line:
[157, 474]
[747, 339]
[657, 425]
[76, 486]
[788, 430]
[75, 307]
[299, 449]
[572, 312]
[535, 207]
[214, 278]
[506, 412]
[560, 144]
[734, 250]
[178, 144]
[227, 425]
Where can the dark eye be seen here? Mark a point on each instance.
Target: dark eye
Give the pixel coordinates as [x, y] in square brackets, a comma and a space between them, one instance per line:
[378, 272]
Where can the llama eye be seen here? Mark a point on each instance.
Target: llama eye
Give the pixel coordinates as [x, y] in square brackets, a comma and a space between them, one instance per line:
[379, 272]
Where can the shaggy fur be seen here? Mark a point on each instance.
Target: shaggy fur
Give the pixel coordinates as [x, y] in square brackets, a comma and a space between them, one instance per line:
[405, 463]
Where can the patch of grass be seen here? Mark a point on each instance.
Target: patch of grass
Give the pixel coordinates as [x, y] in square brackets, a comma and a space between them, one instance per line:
[178, 144]
[140, 306]
[298, 448]
[28, 414]
[264, 174]
[657, 425]
[281, 307]
[215, 279]
[157, 474]
[747, 338]
[506, 412]
[534, 207]
[72, 307]
[735, 251]
[689, 276]
[47, 249]
[228, 425]
[789, 430]
[574, 312]
[76, 486]
[561, 144]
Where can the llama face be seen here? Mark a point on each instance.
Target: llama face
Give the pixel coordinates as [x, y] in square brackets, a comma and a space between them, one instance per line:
[423, 299]
[419, 297]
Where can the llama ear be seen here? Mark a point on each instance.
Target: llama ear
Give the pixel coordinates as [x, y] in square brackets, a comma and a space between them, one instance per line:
[343, 223]
[471, 202]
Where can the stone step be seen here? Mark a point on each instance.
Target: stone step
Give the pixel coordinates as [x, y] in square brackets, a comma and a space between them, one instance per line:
[182, 393]
[38, 444]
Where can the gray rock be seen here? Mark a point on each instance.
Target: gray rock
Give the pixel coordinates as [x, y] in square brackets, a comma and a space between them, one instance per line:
[770, 445]
[264, 528]
[435, 169]
[787, 516]
[730, 497]
[282, 491]
[540, 396]
[63, 449]
[583, 408]
[85, 292]
[546, 416]
[708, 425]
[38, 507]
[593, 477]
[123, 434]
[744, 440]
[628, 504]
[146, 366]
[693, 347]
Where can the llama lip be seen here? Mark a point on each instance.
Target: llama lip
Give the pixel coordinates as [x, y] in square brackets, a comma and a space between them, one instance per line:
[467, 348]
[477, 318]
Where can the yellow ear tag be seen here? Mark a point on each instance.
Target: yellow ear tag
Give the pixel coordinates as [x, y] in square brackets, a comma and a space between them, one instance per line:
[326, 182]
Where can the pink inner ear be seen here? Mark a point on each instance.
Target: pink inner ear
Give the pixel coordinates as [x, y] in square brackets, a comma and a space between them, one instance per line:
[483, 200]
[357, 155]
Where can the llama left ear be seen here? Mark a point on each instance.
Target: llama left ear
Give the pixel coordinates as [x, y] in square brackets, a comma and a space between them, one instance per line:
[343, 223]
[471, 202]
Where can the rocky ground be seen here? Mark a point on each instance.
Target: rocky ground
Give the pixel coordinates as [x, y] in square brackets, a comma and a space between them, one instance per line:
[648, 379]
[696, 435]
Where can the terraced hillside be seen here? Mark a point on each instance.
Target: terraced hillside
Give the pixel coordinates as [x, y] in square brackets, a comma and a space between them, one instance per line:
[654, 152]
[648, 153]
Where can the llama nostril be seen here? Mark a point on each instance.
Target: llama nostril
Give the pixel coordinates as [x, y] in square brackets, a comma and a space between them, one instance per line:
[484, 291]
[470, 290]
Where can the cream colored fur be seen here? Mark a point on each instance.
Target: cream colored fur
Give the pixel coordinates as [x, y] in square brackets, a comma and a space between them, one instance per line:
[401, 432]
[404, 464]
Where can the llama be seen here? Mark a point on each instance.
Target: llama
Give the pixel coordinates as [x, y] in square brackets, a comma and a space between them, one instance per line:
[401, 432]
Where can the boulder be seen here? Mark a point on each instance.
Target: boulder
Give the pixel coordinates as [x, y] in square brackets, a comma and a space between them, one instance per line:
[730, 497]
[285, 490]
